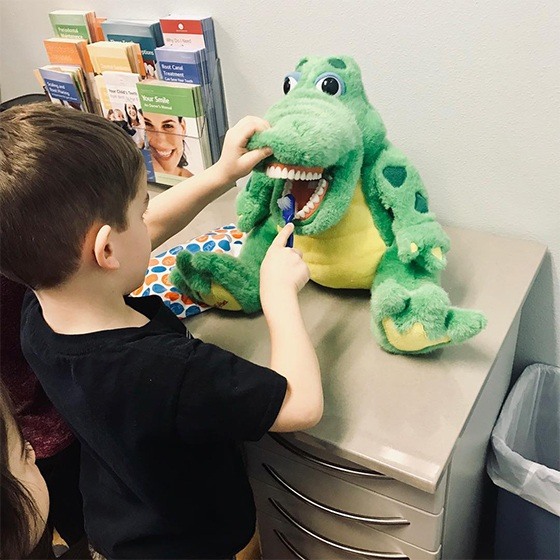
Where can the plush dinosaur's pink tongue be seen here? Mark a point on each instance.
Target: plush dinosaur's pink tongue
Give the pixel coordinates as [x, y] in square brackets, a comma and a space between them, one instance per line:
[303, 191]
[306, 184]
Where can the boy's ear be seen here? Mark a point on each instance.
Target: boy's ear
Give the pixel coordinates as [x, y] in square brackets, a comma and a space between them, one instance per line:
[104, 249]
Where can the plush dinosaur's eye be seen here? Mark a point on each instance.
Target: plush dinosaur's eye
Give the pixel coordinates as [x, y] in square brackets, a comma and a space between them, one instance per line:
[290, 81]
[330, 83]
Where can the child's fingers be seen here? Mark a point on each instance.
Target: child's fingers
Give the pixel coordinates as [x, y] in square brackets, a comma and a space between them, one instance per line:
[248, 126]
[257, 123]
[298, 253]
[282, 238]
[253, 157]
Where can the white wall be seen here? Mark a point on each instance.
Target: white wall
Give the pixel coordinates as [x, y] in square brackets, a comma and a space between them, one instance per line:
[468, 89]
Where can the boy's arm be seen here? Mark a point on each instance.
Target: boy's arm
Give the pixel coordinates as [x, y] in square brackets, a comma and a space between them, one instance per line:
[293, 356]
[169, 212]
[292, 353]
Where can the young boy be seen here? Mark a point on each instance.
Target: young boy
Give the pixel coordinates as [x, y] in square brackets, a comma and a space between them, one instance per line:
[159, 414]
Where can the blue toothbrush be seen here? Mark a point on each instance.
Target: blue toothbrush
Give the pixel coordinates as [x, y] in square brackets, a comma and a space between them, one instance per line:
[287, 205]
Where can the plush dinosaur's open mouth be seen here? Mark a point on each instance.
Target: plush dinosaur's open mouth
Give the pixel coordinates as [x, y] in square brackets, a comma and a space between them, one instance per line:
[308, 185]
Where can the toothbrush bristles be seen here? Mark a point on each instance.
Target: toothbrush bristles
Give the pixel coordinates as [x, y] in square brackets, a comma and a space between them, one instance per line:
[284, 203]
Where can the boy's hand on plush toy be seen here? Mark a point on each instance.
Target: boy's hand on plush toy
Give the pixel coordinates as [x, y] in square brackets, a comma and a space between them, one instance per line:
[237, 160]
[282, 270]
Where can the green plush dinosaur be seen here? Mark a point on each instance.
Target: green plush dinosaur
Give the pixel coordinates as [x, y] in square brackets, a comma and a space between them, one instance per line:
[362, 218]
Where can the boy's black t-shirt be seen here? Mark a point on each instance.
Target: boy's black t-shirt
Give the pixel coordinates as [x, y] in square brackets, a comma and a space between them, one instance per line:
[160, 416]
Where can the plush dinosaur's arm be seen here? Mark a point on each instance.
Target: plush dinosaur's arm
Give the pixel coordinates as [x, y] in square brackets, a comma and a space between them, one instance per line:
[253, 203]
[397, 196]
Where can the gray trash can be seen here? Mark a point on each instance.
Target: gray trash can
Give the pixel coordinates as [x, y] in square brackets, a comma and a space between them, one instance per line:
[524, 462]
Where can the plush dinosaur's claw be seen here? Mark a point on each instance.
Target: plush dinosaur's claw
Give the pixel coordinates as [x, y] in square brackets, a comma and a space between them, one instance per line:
[463, 324]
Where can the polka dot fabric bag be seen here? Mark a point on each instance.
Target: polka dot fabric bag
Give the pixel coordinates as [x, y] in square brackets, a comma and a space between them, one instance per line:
[226, 239]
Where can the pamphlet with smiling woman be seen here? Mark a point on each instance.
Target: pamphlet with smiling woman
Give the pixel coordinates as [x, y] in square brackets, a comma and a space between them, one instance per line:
[176, 129]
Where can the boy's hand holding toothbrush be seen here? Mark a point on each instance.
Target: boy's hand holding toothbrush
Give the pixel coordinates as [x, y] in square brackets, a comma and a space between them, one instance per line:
[292, 354]
[283, 272]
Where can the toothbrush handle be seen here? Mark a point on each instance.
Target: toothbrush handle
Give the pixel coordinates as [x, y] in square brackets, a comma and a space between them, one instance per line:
[290, 242]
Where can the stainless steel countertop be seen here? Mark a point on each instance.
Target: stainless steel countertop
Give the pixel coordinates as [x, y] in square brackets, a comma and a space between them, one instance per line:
[395, 414]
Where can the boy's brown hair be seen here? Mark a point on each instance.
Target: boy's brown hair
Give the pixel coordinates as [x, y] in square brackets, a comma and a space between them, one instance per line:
[61, 171]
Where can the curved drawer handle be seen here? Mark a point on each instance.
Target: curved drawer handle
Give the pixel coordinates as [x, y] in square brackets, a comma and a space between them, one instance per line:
[289, 545]
[334, 511]
[334, 544]
[327, 464]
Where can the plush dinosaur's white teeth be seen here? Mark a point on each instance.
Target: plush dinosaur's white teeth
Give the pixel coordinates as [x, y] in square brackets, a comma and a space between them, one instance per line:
[314, 201]
[281, 171]
[318, 191]
[273, 172]
[315, 190]
[276, 172]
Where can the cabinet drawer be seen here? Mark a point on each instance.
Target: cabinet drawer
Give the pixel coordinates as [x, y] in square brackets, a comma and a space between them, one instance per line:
[342, 500]
[293, 535]
[327, 462]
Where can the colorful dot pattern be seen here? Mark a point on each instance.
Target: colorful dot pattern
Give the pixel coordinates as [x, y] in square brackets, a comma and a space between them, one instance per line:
[226, 239]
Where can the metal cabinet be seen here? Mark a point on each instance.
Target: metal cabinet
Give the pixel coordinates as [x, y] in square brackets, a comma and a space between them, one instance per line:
[324, 507]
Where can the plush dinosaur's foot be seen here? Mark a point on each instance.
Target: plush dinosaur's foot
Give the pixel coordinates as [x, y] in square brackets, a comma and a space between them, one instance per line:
[204, 277]
[420, 320]
[463, 324]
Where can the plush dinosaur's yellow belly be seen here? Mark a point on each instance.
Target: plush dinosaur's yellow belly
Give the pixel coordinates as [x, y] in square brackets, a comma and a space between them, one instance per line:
[346, 255]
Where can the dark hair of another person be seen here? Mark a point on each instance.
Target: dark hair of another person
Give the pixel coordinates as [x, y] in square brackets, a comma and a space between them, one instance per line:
[61, 172]
[18, 507]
